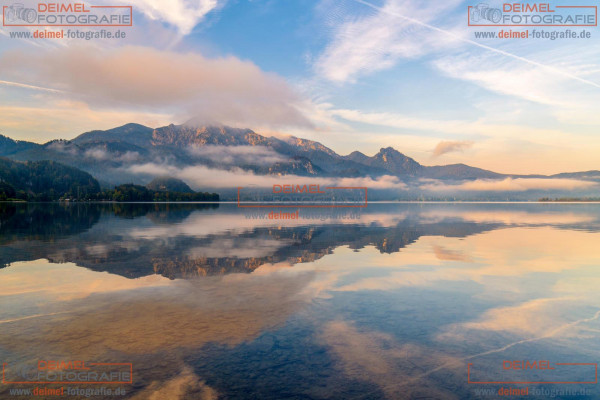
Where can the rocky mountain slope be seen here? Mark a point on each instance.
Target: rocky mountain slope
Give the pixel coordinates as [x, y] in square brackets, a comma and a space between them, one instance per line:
[108, 154]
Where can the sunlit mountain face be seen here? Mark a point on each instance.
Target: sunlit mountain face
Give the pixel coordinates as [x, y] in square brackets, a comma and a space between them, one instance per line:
[392, 301]
[209, 157]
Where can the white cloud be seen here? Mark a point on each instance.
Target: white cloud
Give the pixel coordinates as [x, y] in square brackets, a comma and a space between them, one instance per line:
[511, 185]
[379, 40]
[509, 78]
[480, 127]
[238, 247]
[101, 154]
[182, 14]
[447, 146]
[261, 155]
[63, 147]
[222, 90]
[201, 176]
[564, 82]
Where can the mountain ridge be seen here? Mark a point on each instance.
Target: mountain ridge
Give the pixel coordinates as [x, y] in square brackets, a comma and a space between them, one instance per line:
[102, 152]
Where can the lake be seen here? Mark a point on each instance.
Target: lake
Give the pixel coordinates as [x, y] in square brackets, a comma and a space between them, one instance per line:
[393, 301]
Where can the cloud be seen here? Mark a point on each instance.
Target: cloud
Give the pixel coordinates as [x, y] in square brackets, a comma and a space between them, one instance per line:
[443, 253]
[393, 366]
[261, 155]
[97, 153]
[564, 90]
[202, 176]
[535, 317]
[101, 154]
[397, 120]
[81, 284]
[182, 386]
[481, 128]
[22, 85]
[510, 185]
[63, 147]
[412, 16]
[505, 260]
[238, 247]
[379, 40]
[444, 147]
[213, 90]
[227, 310]
[182, 14]
[510, 78]
[510, 217]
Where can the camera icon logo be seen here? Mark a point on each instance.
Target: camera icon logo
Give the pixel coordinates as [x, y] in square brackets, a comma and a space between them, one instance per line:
[483, 12]
[18, 12]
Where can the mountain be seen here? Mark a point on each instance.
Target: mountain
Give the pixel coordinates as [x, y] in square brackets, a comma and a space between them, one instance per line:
[391, 161]
[135, 134]
[132, 153]
[44, 180]
[591, 175]
[168, 184]
[459, 171]
[187, 135]
[9, 146]
[358, 157]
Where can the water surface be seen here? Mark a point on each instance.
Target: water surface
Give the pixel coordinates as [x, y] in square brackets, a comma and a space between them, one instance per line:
[393, 301]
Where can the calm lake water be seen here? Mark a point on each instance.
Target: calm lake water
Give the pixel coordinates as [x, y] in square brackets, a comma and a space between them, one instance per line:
[396, 301]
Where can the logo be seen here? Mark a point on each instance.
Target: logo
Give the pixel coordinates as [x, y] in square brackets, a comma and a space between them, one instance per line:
[532, 14]
[18, 12]
[484, 12]
[66, 14]
[68, 371]
[534, 372]
[302, 195]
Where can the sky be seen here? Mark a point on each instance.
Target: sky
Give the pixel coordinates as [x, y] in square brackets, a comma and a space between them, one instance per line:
[351, 74]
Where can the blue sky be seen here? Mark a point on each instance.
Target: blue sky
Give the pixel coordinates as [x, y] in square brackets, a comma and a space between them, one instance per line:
[351, 74]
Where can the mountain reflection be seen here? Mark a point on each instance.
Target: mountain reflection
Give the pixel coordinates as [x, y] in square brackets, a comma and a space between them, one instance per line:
[190, 240]
[391, 302]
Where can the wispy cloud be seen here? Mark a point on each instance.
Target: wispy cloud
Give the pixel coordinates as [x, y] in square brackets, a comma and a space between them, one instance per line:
[510, 185]
[231, 155]
[33, 87]
[415, 19]
[216, 90]
[379, 40]
[63, 147]
[101, 154]
[445, 146]
[201, 176]
[479, 127]
[184, 15]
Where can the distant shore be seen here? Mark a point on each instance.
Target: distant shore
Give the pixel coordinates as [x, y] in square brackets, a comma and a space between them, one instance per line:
[540, 201]
[570, 200]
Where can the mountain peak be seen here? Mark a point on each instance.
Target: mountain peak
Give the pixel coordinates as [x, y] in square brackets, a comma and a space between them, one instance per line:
[310, 145]
[395, 162]
[130, 125]
[358, 157]
[391, 152]
[188, 135]
[10, 146]
[133, 133]
[169, 184]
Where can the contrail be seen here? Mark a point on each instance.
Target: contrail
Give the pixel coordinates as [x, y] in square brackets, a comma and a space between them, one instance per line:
[6, 321]
[483, 46]
[26, 86]
[458, 361]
